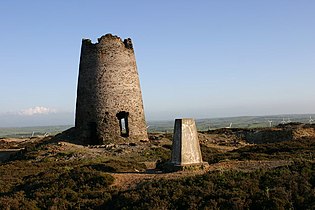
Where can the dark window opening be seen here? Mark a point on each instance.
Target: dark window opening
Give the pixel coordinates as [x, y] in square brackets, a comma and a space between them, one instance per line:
[123, 123]
[93, 133]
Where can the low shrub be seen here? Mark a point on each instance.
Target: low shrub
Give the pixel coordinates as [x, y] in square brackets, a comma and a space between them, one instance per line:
[280, 188]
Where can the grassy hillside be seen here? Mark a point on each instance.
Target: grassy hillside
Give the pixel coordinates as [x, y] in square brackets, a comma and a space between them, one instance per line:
[55, 174]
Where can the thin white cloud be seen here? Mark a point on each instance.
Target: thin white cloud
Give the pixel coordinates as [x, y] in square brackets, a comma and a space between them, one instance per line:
[36, 111]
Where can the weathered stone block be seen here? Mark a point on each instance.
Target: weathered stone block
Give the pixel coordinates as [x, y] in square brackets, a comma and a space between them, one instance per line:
[186, 151]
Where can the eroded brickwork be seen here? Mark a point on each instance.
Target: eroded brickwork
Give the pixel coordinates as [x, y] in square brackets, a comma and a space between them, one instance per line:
[109, 102]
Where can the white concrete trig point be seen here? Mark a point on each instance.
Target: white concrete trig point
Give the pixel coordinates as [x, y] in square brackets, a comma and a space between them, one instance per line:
[186, 153]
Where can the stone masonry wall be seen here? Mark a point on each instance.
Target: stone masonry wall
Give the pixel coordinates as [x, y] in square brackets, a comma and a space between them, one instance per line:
[109, 101]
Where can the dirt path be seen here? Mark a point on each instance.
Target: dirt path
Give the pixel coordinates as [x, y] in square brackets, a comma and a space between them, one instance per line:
[125, 181]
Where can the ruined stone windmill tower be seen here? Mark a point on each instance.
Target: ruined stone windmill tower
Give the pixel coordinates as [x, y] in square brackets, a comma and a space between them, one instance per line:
[109, 102]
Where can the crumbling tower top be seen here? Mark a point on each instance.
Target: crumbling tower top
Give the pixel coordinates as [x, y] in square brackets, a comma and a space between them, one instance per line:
[104, 39]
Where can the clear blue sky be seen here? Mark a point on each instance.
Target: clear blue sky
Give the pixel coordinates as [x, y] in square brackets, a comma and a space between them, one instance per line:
[195, 58]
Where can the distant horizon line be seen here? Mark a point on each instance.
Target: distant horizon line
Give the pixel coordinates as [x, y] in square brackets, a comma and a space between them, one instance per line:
[168, 120]
[237, 116]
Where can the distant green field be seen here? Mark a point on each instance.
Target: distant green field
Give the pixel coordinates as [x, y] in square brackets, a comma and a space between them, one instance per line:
[237, 122]
[26, 132]
[167, 126]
